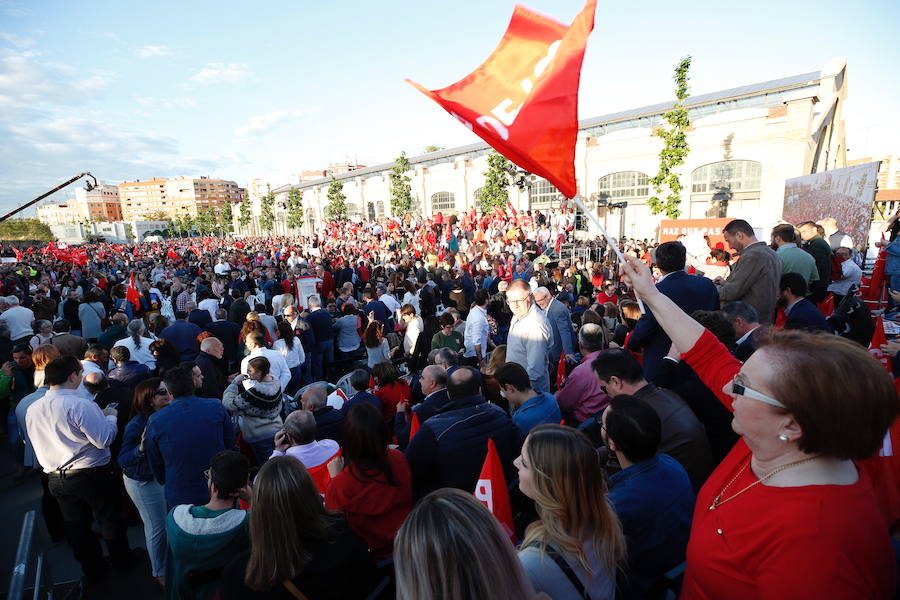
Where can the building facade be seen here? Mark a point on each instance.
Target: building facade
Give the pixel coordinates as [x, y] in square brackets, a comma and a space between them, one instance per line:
[171, 198]
[99, 204]
[744, 142]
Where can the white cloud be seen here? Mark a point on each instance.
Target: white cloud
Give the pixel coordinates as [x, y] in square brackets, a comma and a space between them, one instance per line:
[150, 102]
[150, 51]
[17, 40]
[262, 124]
[222, 73]
[26, 83]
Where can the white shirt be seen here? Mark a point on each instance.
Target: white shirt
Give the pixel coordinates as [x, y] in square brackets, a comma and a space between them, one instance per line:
[413, 329]
[312, 454]
[744, 337]
[277, 366]
[69, 431]
[477, 330]
[222, 268]
[851, 275]
[142, 354]
[392, 304]
[19, 320]
[210, 305]
[293, 357]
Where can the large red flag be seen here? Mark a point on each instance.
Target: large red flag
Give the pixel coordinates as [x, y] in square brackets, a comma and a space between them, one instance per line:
[491, 490]
[523, 100]
[132, 294]
[878, 340]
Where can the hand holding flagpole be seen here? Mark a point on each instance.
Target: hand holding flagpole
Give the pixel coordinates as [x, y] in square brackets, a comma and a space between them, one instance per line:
[611, 240]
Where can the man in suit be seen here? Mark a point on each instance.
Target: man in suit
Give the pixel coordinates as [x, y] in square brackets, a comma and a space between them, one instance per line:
[754, 277]
[689, 292]
[800, 312]
[560, 322]
[746, 322]
[434, 388]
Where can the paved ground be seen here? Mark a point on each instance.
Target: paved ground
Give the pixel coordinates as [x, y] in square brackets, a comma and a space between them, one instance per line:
[17, 498]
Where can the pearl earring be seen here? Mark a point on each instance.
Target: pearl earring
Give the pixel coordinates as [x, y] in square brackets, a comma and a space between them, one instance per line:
[783, 437]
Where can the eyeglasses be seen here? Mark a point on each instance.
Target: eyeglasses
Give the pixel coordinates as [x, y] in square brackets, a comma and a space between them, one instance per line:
[511, 301]
[207, 474]
[738, 387]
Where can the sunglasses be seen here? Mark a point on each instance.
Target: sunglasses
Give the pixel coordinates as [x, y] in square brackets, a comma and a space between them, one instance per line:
[162, 392]
[738, 387]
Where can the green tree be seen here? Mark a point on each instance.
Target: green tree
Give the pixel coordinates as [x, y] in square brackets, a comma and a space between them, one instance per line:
[675, 148]
[244, 212]
[266, 212]
[226, 218]
[432, 148]
[496, 183]
[294, 208]
[336, 210]
[401, 191]
[25, 229]
[206, 222]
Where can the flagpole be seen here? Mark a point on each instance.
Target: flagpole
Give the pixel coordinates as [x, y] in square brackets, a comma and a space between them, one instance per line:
[611, 240]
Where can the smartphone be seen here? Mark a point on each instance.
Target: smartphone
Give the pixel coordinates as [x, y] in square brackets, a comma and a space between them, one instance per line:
[113, 405]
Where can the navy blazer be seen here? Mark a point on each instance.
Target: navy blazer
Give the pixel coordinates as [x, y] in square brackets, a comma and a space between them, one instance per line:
[563, 338]
[806, 316]
[690, 293]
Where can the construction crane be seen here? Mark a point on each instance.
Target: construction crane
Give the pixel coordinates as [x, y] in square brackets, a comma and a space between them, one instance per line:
[89, 185]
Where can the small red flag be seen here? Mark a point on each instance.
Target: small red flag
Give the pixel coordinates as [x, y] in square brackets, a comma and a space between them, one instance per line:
[523, 100]
[132, 294]
[413, 426]
[878, 340]
[512, 209]
[172, 254]
[826, 306]
[491, 490]
[561, 370]
[18, 254]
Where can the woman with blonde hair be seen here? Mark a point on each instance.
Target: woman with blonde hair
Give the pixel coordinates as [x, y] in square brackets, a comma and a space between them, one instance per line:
[452, 548]
[298, 549]
[576, 547]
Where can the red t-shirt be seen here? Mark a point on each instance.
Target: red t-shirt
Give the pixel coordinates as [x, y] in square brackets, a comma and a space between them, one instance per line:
[603, 298]
[823, 541]
[375, 510]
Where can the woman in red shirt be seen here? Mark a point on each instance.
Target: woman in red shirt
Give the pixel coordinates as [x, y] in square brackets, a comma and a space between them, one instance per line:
[391, 390]
[371, 484]
[786, 514]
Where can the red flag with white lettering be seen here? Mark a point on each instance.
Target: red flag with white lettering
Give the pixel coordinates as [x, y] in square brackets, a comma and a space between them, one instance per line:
[132, 294]
[523, 100]
[491, 490]
[878, 340]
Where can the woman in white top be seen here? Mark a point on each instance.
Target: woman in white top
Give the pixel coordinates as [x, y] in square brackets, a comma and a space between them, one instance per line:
[138, 345]
[289, 346]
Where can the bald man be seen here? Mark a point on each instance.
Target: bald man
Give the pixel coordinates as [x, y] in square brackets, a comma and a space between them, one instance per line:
[434, 388]
[212, 366]
[298, 439]
[329, 420]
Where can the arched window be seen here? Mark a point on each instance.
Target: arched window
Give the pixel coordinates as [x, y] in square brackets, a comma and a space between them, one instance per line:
[624, 185]
[544, 195]
[477, 194]
[443, 202]
[724, 189]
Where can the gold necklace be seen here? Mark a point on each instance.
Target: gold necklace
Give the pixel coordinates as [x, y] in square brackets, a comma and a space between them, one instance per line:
[717, 501]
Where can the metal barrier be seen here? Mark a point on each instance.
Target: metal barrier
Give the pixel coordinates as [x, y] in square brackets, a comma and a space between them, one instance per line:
[17, 583]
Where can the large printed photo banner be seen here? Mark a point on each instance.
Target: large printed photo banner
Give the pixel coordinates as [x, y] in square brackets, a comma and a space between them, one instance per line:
[845, 194]
[523, 100]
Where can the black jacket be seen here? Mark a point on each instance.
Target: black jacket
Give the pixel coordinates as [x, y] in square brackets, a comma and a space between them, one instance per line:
[450, 448]
[226, 332]
[214, 379]
[238, 311]
[329, 424]
[427, 409]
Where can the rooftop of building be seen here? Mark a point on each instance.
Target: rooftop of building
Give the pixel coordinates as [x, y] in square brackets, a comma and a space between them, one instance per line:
[763, 94]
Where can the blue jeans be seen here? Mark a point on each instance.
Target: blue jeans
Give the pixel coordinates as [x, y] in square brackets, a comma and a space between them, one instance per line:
[150, 500]
[322, 359]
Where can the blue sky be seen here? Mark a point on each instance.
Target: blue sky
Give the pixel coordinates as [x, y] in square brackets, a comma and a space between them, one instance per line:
[244, 89]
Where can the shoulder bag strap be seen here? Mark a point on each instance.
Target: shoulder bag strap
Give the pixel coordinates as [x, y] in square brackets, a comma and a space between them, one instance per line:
[564, 567]
[296, 593]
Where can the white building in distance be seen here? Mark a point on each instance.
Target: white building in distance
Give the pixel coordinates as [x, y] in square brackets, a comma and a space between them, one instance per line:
[744, 142]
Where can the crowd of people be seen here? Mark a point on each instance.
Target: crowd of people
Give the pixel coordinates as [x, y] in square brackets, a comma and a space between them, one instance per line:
[309, 417]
